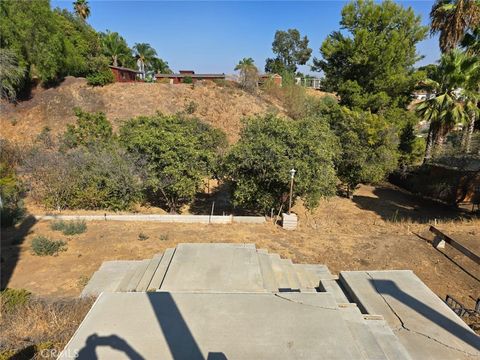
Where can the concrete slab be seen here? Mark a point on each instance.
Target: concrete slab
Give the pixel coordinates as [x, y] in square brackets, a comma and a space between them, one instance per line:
[137, 276]
[214, 267]
[332, 286]
[424, 324]
[162, 325]
[108, 277]
[280, 276]
[268, 276]
[387, 340]
[291, 274]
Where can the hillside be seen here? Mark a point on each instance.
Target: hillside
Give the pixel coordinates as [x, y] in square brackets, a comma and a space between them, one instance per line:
[220, 106]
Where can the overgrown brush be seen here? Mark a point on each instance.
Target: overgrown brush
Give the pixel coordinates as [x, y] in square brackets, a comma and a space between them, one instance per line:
[43, 246]
[39, 328]
[73, 227]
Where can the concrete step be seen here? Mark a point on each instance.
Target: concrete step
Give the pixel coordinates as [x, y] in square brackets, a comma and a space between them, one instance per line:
[262, 251]
[387, 340]
[162, 268]
[149, 272]
[268, 274]
[365, 341]
[333, 287]
[122, 286]
[304, 278]
[279, 272]
[135, 279]
[293, 281]
[108, 277]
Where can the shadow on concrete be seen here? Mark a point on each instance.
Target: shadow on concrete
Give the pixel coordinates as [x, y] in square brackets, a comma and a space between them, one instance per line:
[394, 204]
[389, 287]
[11, 240]
[179, 338]
[88, 352]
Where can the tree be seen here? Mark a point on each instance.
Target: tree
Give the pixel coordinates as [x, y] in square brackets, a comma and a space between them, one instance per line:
[11, 74]
[159, 66]
[471, 42]
[371, 66]
[259, 165]
[177, 154]
[248, 74]
[291, 50]
[82, 9]
[452, 19]
[455, 84]
[11, 188]
[145, 55]
[116, 48]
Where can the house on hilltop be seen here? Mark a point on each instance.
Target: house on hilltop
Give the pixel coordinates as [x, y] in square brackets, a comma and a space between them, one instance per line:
[180, 77]
[122, 74]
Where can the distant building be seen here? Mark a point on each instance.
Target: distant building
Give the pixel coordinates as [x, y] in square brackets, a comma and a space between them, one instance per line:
[122, 74]
[179, 78]
[277, 79]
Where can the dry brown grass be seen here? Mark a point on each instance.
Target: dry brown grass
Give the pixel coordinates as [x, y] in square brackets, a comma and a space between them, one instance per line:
[40, 324]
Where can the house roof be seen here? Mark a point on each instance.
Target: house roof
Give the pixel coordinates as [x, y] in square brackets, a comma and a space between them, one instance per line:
[190, 75]
[124, 69]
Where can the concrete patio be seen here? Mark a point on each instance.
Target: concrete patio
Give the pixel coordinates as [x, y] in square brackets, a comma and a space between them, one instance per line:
[233, 301]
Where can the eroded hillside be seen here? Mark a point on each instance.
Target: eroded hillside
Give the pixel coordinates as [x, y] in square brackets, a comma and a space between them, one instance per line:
[220, 106]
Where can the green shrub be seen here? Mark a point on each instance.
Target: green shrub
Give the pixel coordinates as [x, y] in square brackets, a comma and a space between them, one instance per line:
[187, 80]
[69, 227]
[142, 236]
[100, 78]
[43, 246]
[11, 298]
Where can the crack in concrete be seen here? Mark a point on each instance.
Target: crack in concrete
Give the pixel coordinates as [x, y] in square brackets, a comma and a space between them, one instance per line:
[302, 303]
[404, 327]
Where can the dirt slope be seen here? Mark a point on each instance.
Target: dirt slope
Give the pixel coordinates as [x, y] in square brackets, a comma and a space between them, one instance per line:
[220, 106]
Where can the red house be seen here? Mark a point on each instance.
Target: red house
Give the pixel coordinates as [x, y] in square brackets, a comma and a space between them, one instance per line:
[179, 78]
[122, 74]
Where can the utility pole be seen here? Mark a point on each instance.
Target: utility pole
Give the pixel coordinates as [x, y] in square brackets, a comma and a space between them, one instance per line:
[292, 175]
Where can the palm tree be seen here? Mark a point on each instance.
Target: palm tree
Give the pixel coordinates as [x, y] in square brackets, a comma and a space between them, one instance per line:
[145, 55]
[115, 47]
[82, 9]
[471, 42]
[455, 84]
[248, 73]
[452, 19]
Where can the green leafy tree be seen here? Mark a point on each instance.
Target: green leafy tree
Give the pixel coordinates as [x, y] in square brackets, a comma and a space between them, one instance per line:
[369, 63]
[452, 19]
[471, 42]
[291, 50]
[145, 54]
[159, 66]
[82, 9]
[248, 74]
[116, 48]
[259, 164]
[177, 153]
[11, 74]
[11, 188]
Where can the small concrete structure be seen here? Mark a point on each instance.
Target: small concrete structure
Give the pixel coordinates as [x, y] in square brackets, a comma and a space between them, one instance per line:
[289, 221]
[234, 301]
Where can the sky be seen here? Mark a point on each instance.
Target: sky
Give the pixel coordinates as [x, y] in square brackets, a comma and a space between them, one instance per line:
[212, 36]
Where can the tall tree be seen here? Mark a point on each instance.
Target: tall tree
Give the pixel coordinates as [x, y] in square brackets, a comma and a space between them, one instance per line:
[116, 48]
[145, 55]
[371, 66]
[291, 50]
[248, 73]
[452, 19]
[471, 42]
[11, 74]
[82, 9]
[455, 84]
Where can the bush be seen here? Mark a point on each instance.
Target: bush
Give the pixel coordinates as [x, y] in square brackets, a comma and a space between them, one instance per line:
[43, 246]
[101, 78]
[12, 298]
[259, 164]
[69, 227]
[178, 154]
[84, 178]
[142, 236]
[187, 80]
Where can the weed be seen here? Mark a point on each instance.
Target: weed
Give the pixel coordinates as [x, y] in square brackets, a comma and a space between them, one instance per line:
[69, 227]
[43, 246]
[191, 107]
[142, 236]
[163, 237]
[11, 298]
[82, 281]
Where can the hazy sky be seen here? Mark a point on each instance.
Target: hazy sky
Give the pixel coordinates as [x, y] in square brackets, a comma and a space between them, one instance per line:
[212, 36]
